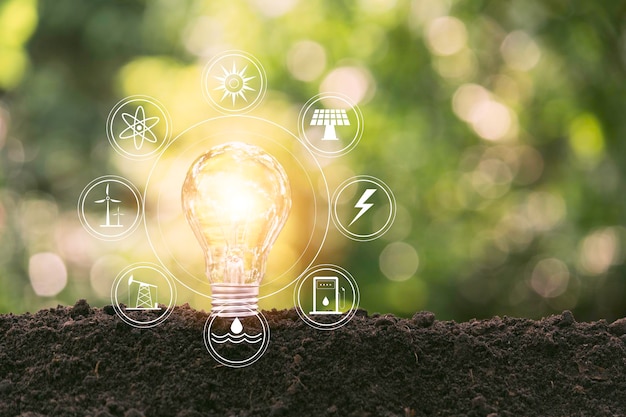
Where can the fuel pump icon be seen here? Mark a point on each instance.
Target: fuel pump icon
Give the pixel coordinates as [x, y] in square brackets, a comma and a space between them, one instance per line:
[326, 297]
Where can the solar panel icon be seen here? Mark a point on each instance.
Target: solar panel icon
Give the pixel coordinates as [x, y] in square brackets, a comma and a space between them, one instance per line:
[329, 118]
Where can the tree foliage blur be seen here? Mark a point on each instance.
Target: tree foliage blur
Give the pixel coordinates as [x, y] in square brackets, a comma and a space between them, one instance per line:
[498, 125]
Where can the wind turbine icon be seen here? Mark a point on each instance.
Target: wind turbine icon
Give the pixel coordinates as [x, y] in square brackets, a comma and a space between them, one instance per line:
[108, 200]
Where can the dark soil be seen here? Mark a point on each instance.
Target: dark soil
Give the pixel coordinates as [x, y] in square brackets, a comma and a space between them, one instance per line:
[85, 361]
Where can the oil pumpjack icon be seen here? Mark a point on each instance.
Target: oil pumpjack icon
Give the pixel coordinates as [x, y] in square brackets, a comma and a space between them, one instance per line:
[144, 295]
[326, 296]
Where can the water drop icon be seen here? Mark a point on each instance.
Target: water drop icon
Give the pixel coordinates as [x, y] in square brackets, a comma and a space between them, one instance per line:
[325, 301]
[236, 327]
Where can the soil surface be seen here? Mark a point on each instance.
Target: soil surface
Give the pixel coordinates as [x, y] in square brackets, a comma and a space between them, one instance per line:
[79, 361]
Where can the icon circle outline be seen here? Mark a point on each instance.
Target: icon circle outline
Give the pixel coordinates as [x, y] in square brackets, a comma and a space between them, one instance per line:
[236, 54]
[390, 218]
[113, 115]
[237, 363]
[302, 125]
[116, 304]
[94, 183]
[345, 317]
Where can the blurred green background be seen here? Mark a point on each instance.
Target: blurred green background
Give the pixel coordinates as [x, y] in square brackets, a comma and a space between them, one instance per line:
[498, 124]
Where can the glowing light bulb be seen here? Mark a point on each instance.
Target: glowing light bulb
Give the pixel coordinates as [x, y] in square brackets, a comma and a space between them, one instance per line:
[236, 198]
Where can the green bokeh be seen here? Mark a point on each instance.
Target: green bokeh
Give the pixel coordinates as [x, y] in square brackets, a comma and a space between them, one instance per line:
[513, 199]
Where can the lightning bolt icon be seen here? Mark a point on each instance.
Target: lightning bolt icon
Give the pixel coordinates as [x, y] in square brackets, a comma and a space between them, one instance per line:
[362, 204]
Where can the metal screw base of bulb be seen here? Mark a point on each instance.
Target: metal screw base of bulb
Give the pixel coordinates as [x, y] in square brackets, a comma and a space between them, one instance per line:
[234, 300]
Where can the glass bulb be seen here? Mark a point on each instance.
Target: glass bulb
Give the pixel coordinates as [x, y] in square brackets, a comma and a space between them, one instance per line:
[236, 198]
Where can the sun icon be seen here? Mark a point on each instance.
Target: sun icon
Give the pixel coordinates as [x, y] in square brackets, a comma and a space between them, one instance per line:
[234, 83]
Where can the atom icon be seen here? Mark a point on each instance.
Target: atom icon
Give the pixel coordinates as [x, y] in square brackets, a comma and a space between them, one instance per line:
[234, 83]
[139, 127]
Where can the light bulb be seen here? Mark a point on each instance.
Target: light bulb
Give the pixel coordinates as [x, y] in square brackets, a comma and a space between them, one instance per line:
[236, 198]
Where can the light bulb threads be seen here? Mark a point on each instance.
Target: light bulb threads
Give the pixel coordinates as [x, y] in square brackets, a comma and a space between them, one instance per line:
[234, 300]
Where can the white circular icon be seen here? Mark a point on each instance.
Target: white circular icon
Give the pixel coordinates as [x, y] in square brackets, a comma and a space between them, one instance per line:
[237, 341]
[138, 127]
[143, 295]
[326, 297]
[110, 207]
[356, 205]
[330, 124]
[234, 82]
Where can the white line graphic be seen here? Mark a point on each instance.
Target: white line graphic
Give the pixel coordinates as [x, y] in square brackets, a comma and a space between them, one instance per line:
[362, 204]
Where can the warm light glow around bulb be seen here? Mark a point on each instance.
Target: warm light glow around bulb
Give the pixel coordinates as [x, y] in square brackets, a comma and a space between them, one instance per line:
[236, 198]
